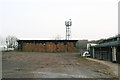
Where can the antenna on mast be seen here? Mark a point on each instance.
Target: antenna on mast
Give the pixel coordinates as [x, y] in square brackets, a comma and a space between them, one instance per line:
[68, 31]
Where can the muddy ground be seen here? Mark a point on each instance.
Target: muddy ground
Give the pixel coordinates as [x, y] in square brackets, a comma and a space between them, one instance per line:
[51, 65]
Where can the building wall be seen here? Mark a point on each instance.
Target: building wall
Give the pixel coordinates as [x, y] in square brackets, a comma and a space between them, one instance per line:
[103, 53]
[106, 53]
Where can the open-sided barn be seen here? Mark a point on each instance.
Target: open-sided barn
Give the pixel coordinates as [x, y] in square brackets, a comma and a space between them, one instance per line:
[47, 45]
[108, 49]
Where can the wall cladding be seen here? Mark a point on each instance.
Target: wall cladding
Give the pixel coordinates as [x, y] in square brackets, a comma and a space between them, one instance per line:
[49, 47]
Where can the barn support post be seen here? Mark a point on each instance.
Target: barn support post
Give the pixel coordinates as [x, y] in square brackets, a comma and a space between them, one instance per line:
[114, 54]
[93, 53]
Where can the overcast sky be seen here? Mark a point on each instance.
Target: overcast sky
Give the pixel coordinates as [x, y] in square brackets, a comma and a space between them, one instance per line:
[45, 19]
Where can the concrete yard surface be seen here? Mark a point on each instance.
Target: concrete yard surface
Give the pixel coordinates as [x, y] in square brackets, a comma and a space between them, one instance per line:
[52, 65]
[114, 67]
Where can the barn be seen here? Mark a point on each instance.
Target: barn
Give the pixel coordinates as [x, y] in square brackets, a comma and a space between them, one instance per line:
[47, 45]
[108, 49]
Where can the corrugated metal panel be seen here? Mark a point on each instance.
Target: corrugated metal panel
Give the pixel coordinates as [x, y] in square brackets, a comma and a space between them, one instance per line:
[114, 43]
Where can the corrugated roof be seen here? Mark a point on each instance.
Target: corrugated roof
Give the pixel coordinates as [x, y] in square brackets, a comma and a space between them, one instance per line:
[110, 38]
[43, 41]
[117, 36]
[107, 44]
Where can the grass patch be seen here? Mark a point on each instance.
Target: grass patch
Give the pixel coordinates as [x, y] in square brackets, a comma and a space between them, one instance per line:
[44, 52]
[84, 58]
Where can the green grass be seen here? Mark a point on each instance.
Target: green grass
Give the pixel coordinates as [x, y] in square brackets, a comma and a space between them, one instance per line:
[45, 52]
[84, 58]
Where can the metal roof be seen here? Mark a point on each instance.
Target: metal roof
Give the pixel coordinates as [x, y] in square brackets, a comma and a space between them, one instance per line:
[110, 38]
[108, 44]
[43, 41]
[117, 36]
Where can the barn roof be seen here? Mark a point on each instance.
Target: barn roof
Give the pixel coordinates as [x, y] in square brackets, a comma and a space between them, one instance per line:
[43, 41]
[108, 44]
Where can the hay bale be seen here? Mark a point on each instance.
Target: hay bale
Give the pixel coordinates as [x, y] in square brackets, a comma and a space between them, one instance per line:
[50, 47]
[61, 47]
[71, 47]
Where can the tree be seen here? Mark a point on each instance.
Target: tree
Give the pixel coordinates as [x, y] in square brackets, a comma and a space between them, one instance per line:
[11, 42]
[97, 41]
[2, 41]
[57, 37]
[82, 45]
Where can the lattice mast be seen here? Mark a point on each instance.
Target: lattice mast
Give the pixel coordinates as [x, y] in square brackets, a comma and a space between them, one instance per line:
[68, 30]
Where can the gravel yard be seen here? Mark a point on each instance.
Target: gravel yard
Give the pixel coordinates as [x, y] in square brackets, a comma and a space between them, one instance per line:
[51, 65]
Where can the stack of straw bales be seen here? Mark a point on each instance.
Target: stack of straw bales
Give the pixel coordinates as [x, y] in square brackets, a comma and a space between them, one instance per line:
[61, 47]
[27, 47]
[50, 47]
[70, 47]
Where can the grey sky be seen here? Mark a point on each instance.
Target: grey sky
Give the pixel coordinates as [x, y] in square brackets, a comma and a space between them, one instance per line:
[44, 19]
